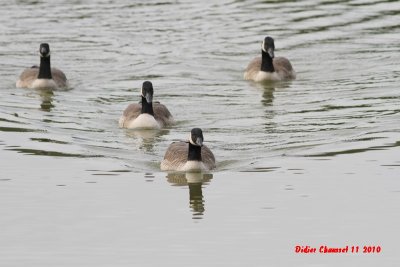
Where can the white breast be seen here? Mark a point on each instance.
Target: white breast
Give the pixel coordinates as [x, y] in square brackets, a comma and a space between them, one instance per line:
[43, 83]
[266, 76]
[193, 165]
[143, 121]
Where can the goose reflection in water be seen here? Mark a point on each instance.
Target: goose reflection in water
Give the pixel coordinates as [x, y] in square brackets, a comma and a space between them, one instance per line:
[269, 88]
[268, 91]
[146, 139]
[46, 96]
[268, 94]
[195, 181]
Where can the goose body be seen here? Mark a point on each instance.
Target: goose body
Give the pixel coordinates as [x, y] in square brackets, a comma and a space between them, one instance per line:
[43, 76]
[189, 156]
[267, 67]
[146, 114]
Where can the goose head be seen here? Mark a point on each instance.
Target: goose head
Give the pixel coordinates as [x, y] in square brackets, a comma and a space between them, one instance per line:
[268, 46]
[147, 91]
[196, 137]
[44, 50]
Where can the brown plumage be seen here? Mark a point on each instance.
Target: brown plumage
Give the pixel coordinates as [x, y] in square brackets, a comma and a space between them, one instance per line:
[146, 114]
[43, 76]
[268, 67]
[161, 114]
[28, 77]
[189, 156]
[176, 157]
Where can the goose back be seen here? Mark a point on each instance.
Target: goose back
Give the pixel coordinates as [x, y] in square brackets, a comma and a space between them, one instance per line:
[29, 76]
[161, 114]
[177, 153]
[283, 70]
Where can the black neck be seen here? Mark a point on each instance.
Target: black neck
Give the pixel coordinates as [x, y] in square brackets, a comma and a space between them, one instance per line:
[266, 62]
[147, 107]
[45, 69]
[194, 152]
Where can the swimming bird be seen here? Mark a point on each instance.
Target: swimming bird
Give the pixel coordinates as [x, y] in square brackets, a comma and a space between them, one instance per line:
[189, 156]
[43, 76]
[146, 114]
[268, 67]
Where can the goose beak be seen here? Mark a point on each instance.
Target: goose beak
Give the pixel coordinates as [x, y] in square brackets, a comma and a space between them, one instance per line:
[199, 141]
[149, 97]
[270, 52]
[44, 52]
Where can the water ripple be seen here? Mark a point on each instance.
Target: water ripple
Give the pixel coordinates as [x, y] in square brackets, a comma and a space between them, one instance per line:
[344, 101]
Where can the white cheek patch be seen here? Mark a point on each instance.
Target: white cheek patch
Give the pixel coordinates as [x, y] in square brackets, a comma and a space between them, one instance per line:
[262, 46]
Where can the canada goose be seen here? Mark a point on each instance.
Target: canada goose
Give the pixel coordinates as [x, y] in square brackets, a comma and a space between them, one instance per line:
[146, 114]
[189, 156]
[268, 67]
[43, 76]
